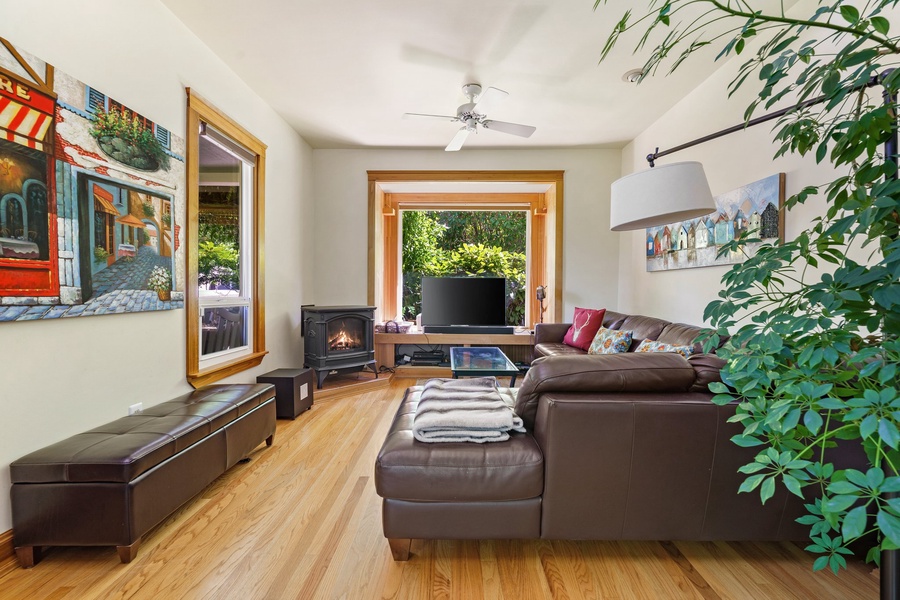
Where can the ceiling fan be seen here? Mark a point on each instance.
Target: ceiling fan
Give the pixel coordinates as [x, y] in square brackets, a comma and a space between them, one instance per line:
[473, 113]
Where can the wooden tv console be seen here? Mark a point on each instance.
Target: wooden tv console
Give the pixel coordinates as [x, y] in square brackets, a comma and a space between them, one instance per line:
[517, 346]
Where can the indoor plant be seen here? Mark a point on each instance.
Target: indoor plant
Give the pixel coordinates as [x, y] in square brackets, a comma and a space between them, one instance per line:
[813, 349]
[160, 281]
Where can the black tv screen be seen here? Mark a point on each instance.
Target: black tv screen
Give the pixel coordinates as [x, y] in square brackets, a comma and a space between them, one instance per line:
[463, 301]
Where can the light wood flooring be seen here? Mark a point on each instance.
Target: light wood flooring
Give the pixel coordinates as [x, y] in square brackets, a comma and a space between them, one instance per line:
[302, 520]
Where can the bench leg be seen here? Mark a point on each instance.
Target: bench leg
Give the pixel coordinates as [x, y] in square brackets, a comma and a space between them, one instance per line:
[270, 440]
[400, 548]
[28, 556]
[127, 553]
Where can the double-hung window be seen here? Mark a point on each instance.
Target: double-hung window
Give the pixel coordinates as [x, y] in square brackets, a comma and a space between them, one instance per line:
[224, 300]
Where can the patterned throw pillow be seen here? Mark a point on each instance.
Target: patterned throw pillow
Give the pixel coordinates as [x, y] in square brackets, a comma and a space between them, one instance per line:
[584, 327]
[652, 346]
[610, 341]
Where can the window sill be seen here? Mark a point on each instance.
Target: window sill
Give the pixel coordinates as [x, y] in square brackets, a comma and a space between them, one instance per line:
[213, 374]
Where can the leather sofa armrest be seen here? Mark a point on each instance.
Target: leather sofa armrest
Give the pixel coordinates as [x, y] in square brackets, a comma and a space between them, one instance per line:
[708, 368]
[550, 332]
[626, 372]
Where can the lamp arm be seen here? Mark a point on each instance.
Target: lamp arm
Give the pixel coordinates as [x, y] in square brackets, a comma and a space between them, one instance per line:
[651, 158]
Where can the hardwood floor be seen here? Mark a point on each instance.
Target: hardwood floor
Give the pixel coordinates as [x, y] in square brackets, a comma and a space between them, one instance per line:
[302, 520]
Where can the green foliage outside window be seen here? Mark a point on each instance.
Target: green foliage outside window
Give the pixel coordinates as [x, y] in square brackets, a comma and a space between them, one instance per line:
[464, 243]
[218, 266]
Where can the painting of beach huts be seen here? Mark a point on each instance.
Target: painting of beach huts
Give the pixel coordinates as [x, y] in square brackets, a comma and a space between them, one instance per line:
[91, 199]
[755, 209]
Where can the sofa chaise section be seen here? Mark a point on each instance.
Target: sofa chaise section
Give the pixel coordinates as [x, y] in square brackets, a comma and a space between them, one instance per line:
[456, 490]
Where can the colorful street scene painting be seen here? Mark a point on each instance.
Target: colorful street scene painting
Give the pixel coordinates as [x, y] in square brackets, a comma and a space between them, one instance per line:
[756, 208]
[91, 199]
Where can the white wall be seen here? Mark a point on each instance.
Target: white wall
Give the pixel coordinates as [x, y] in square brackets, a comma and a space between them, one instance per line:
[729, 162]
[61, 377]
[590, 249]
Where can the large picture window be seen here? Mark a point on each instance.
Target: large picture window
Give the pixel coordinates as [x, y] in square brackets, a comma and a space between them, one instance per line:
[224, 300]
[394, 194]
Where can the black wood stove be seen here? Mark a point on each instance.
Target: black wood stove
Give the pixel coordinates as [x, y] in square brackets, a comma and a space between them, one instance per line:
[338, 339]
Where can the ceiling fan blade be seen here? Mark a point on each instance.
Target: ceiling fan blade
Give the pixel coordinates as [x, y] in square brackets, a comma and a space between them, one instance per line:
[513, 128]
[458, 140]
[488, 99]
[441, 117]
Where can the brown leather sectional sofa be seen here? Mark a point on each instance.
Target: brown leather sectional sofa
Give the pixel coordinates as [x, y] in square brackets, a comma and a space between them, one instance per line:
[111, 485]
[619, 447]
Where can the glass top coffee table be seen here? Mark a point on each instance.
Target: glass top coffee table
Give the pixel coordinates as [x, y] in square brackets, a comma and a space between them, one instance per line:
[481, 361]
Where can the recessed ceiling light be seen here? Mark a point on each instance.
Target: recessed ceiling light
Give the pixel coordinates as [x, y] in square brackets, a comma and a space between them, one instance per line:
[633, 76]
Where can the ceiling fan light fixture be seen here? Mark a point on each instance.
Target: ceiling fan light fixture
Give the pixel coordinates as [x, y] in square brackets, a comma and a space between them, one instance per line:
[474, 113]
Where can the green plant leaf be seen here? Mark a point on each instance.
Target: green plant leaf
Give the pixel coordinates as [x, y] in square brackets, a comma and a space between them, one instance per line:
[792, 484]
[838, 504]
[854, 523]
[746, 441]
[888, 432]
[751, 483]
[820, 563]
[880, 24]
[846, 487]
[767, 489]
[890, 526]
[850, 13]
[868, 426]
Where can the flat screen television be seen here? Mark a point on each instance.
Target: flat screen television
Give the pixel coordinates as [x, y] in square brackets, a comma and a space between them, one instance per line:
[451, 304]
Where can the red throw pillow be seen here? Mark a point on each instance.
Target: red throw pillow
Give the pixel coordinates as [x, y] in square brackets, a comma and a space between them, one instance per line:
[585, 325]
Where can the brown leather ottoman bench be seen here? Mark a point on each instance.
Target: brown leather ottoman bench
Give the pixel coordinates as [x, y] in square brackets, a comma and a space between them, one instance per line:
[110, 485]
[456, 490]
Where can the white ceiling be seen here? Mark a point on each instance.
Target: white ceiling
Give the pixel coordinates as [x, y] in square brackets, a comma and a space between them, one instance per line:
[343, 73]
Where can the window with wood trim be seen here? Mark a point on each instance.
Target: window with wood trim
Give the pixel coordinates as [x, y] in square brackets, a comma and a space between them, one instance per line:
[392, 192]
[225, 218]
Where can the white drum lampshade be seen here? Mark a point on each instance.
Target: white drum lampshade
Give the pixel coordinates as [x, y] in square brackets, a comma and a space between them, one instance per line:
[660, 195]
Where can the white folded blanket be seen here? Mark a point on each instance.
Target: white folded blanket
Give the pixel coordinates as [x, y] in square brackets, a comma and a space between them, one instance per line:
[464, 410]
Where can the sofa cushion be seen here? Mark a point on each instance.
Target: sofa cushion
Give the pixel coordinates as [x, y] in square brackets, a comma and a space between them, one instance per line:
[626, 372]
[407, 469]
[556, 349]
[680, 334]
[654, 346]
[613, 319]
[644, 328]
[610, 341]
[584, 327]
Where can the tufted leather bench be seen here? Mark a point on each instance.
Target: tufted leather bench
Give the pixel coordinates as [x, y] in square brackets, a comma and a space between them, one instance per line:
[110, 485]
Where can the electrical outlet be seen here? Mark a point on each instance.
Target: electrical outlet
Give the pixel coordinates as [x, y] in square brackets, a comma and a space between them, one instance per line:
[136, 409]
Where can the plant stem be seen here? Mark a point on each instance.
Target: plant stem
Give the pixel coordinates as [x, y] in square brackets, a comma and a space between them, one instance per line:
[801, 23]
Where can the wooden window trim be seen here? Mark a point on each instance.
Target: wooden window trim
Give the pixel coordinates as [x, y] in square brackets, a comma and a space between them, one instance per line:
[198, 110]
[545, 248]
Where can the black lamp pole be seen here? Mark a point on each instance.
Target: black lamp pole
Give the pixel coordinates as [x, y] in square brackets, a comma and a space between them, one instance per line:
[873, 81]
[890, 559]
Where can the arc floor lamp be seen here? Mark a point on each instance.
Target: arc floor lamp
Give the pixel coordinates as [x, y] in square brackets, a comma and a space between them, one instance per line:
[680, 191]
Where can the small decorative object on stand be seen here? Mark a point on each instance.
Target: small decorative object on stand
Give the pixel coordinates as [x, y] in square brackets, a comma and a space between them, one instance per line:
[541, 294]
